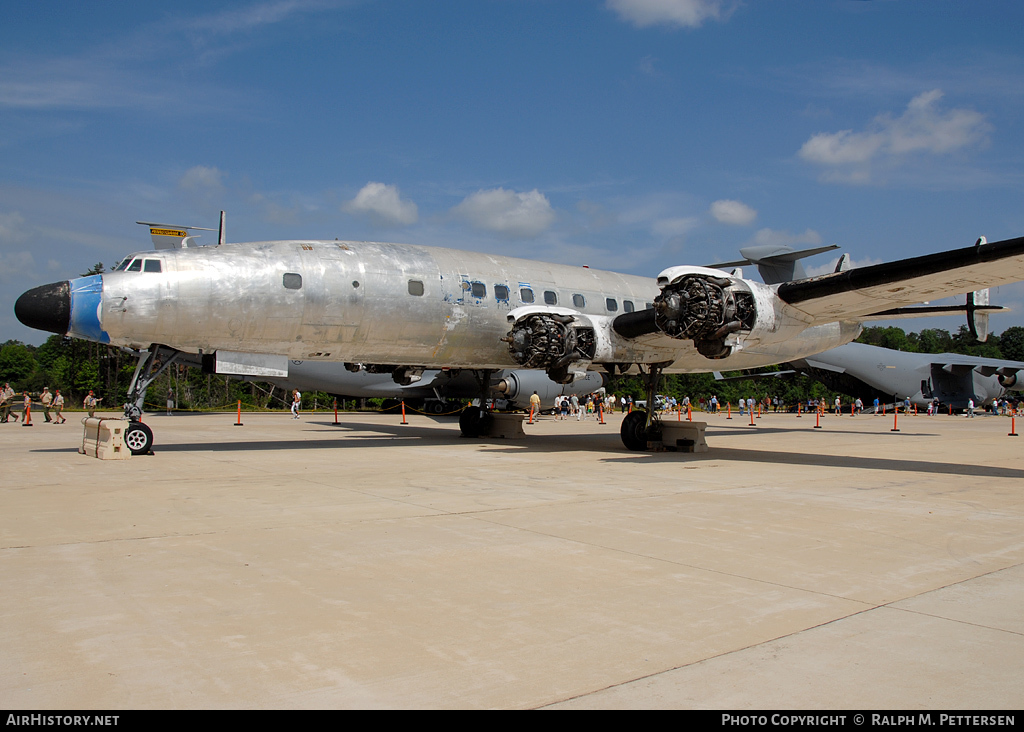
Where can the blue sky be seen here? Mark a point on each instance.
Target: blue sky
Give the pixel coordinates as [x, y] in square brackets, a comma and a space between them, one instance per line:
[623, 134]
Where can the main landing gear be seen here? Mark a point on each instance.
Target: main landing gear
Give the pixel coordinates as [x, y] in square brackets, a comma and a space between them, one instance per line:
[643, 425]
[476, 421]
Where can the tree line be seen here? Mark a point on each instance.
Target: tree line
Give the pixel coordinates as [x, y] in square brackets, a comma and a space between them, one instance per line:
[76, 366]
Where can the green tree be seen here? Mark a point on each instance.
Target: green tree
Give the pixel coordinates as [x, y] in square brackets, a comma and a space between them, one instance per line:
[1011, 343]
[16, 364]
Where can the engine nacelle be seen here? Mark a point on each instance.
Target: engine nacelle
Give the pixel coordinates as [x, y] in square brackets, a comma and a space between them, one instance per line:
[704, 306]
[517, 386]
[1011, 382]
[551, 339]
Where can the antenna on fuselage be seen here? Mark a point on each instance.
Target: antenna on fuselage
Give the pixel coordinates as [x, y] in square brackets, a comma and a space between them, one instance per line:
[220, 233]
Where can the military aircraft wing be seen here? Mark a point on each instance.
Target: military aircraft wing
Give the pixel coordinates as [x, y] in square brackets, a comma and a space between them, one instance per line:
[857, 294]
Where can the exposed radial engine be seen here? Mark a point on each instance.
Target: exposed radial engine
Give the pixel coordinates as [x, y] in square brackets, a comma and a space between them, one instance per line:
[705, 309]
[549, 341]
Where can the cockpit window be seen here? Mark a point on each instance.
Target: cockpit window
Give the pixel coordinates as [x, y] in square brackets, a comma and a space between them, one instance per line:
[135, 266]
[122, 264]
[151, 265]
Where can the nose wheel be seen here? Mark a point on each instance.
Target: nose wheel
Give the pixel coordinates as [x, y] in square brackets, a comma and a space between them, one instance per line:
[139, 438]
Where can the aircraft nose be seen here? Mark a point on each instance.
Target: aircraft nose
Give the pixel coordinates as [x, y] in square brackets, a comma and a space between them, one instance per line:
[47, 307]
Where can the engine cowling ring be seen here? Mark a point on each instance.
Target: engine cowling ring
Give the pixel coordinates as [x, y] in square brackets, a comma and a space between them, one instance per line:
[542, 340]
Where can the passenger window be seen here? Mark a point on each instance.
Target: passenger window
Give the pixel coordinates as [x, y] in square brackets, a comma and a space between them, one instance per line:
[579, 301]
[478, 289]
[550, 297]
[526, 294]
[627, 305]
[135, 266]
[611, 304]
[415, 288]
[500, 292]
[151, 265]
[292, 281]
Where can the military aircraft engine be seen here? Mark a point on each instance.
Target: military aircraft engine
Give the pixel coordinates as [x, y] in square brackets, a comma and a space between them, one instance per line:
[519, 385]
[551, 342]
[1011, 382]
[705, 309]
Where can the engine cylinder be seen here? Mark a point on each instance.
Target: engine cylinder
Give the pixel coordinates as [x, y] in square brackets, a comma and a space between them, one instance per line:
[706, 310]
[542, 340]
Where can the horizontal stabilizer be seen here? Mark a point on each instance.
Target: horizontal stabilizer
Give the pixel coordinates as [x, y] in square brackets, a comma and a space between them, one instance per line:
[776, 263]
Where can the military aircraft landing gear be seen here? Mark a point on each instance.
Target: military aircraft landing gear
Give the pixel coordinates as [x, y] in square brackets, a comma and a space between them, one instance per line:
[139, 438]
[476, 421]
[636, 433]
[642, 425]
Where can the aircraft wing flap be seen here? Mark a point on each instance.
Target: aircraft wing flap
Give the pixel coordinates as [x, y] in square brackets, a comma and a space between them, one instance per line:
[865, 291]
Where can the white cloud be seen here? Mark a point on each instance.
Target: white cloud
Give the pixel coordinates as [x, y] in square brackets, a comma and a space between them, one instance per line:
[507, 212]
[382, 205]
[12, 228]
[923, 128]
[202, 178]
[680, 13]
[674, 227]
[786, 238]
[16, 268]
[734, 213]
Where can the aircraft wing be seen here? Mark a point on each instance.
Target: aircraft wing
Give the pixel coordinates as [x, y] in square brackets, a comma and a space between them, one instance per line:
[955, 362]
[866, 291]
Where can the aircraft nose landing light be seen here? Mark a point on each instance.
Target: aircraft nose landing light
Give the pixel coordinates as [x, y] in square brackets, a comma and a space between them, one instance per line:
[47, 307]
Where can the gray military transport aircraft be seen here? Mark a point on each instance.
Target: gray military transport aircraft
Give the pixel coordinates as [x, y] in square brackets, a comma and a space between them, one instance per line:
[862, 370]
[402, 309]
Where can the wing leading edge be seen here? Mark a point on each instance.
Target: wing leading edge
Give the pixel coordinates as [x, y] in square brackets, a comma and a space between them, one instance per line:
[866, 291]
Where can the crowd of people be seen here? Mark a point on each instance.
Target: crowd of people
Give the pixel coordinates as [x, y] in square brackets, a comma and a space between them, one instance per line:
[49, 401]
[580, 407]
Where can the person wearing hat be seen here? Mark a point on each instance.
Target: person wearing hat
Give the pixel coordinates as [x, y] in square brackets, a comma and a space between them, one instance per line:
[46, 399]
[90, 403]
[6, 402]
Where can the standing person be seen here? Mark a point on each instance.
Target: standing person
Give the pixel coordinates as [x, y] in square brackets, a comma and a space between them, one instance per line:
[858, 406]
[296, 401]
[970, 407]
[58, 406]
[91, 402]
[876, 405]
[26, 418]
[170, 402]
[535, 404]
[6, 402]
[46, 398]
[839, 406]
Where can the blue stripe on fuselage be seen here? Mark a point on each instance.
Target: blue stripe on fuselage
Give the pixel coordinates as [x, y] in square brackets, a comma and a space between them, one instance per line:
[86, 302]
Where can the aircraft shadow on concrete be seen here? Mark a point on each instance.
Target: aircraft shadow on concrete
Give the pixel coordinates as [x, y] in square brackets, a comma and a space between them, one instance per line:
[444, 432]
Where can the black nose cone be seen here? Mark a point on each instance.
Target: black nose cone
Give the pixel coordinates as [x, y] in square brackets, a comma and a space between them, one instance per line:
[46, 308]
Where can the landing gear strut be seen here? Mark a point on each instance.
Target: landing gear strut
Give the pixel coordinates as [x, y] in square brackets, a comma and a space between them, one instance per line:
[152, 363]
[642, 425]
[476, 421]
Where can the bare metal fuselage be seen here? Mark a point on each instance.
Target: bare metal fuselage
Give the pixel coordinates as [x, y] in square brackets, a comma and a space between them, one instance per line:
[365, 302]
